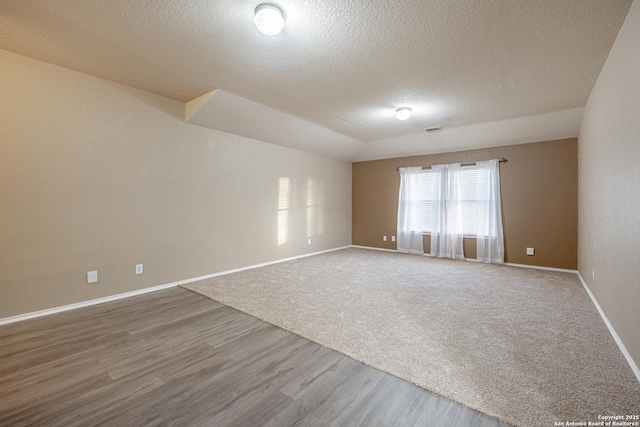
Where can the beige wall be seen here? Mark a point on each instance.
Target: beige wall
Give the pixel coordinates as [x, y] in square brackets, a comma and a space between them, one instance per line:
[539, 200]
[609, 197]
[99, 176]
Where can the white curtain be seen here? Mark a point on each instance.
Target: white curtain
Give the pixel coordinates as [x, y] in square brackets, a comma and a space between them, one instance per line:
[447, 232]
[410, 213]
[490, 236]
[451, 202]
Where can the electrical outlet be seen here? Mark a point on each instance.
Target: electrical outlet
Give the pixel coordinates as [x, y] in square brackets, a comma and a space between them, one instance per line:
[593, 274]
[530, 251]
[384, 238]
[393, 238]
[92, 277]
[308, 241]
[139, 269]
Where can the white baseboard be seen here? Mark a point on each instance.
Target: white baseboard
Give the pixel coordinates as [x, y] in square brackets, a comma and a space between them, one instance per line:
[538, 267]
[63, 308]
[373, 249]
[623, 349]
[116, 297]
[264, 264]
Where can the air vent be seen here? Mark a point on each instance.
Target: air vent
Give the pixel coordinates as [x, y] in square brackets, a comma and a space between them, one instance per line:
[433, 129]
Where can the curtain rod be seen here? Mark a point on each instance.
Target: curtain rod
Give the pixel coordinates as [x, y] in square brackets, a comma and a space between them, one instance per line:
[501, 160]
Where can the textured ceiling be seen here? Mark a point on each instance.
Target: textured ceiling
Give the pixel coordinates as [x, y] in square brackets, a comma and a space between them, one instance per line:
[341, 64]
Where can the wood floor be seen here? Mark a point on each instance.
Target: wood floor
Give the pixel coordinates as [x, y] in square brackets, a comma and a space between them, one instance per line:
[175, 358]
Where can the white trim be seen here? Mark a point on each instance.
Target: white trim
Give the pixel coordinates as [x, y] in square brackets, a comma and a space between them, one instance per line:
[623, 349]
[48, 311]
[264, 264]
[538, 267]
[63, 308]
[389, 250]
[373, 249]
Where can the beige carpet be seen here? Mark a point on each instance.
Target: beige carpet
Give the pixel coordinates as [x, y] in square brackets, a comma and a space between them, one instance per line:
[525, 346]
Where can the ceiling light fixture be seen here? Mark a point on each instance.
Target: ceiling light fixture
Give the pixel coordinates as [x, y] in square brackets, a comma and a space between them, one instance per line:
[269, 19]
[403, 113]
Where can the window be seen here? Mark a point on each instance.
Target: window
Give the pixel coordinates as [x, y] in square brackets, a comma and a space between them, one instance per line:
[475, 196]
[449, 202]
[472, 195]
[424, 197]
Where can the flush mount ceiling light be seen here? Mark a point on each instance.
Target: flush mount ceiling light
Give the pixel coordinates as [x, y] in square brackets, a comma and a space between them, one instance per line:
[403, 113]
[269, 19]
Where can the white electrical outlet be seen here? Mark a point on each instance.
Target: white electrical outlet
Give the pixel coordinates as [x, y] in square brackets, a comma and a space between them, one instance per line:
[593, 274]
[384, 238]
[92, 277]
[139, 269]
[308, 241]
[393, 238]
[530, 251]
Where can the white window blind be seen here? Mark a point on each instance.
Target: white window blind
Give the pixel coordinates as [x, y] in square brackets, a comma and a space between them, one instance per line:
[473, 194]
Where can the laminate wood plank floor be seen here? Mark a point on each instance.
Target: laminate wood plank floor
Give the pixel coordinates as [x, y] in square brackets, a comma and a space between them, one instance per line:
[176, 358]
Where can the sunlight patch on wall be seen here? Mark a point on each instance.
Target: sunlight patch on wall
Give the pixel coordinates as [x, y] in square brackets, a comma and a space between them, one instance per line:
[315, 206]
[284, 204]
